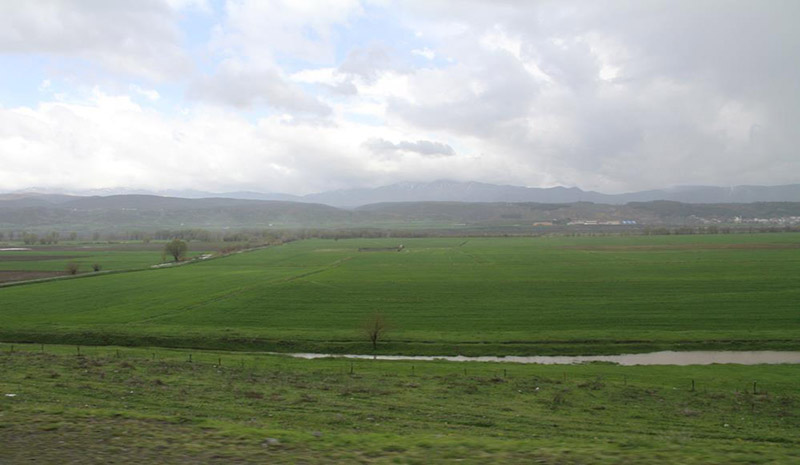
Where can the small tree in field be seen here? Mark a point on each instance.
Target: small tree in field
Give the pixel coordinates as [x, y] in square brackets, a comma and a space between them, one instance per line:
[72, 268]
[177, 249]
[375, 328]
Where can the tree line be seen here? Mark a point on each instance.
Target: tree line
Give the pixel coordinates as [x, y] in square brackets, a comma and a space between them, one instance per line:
[275, 236]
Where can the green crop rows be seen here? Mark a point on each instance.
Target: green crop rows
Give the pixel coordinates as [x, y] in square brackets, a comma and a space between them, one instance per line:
[440, 296]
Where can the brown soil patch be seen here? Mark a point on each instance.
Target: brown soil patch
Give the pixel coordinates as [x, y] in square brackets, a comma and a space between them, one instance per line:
[11, 276]
[22, 257]
[648, 248]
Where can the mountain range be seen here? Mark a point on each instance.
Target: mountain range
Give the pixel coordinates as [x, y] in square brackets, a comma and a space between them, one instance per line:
[442, 204]
[456, 191]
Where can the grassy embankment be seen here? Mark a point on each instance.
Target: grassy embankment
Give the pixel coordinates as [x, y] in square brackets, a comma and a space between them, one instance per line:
[126, 407]
[442, 296]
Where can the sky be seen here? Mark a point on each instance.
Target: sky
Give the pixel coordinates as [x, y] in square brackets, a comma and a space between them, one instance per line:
[299, 96]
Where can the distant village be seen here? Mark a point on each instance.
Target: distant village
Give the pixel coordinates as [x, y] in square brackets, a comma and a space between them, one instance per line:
[696, 220]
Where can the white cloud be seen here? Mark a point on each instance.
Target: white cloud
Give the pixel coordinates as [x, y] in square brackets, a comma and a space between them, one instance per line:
[261, 29]
[137, 38]
[425, 53]
[421, 147]
[603, 96]
[149, 94]
[200, 5]
[45, 86]
[244, 86]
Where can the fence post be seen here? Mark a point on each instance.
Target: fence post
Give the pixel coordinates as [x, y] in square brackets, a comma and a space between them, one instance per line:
[692, 385]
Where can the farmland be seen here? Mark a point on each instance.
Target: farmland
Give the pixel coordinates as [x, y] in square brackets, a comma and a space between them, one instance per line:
[440, 296]
[24, 262]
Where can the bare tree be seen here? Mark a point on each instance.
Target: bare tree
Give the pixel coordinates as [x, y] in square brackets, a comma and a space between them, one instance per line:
[72, 268]
[375, 328]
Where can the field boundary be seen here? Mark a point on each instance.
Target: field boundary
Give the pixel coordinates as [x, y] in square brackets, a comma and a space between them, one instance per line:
[159, 266]
[393, 347]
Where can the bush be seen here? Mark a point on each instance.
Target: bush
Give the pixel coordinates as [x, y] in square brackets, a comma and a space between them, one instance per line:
[177, 249]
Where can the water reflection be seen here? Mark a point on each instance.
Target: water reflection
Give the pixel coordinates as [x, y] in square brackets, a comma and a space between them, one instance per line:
[652, 358]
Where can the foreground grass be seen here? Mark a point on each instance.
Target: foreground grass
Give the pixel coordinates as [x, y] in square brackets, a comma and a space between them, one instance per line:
[441, 296]
[154, 406]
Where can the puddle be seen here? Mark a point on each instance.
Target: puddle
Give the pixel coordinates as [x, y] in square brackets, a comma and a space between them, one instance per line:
[652, 358]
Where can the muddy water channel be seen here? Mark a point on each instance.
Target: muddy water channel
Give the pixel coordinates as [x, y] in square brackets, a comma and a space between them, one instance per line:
[652, 358]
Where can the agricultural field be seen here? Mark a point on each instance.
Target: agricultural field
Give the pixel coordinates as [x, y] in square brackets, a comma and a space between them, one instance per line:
[123, 405]
[471, 296]
[19, 262]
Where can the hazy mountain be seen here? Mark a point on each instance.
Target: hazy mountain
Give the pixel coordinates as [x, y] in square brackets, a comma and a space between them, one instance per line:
[708, 194]
[151, 212]
[658, 212]
[482, 192]
[181, 193]
[32, 200]
[454, 191]
[148, 212]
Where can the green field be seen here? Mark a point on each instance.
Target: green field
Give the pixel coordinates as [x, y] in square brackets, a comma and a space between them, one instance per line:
[37, 262]
[154, 406]
[440, 296]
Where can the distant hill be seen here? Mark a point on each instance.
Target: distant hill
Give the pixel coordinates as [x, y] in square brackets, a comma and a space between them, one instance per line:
[455, 191]
[151, 212]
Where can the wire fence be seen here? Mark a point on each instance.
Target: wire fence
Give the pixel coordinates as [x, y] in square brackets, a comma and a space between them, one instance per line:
[601, 374]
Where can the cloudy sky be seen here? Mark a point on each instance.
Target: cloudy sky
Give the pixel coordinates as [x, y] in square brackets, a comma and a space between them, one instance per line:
[303, 96]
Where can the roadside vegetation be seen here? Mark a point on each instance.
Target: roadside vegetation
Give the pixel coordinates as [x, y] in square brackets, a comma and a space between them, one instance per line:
[132, 405]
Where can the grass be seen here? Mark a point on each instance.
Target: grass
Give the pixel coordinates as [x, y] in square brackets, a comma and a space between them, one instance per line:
[108, 256]
[441, 296]
[53, 261]
[153, 405]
